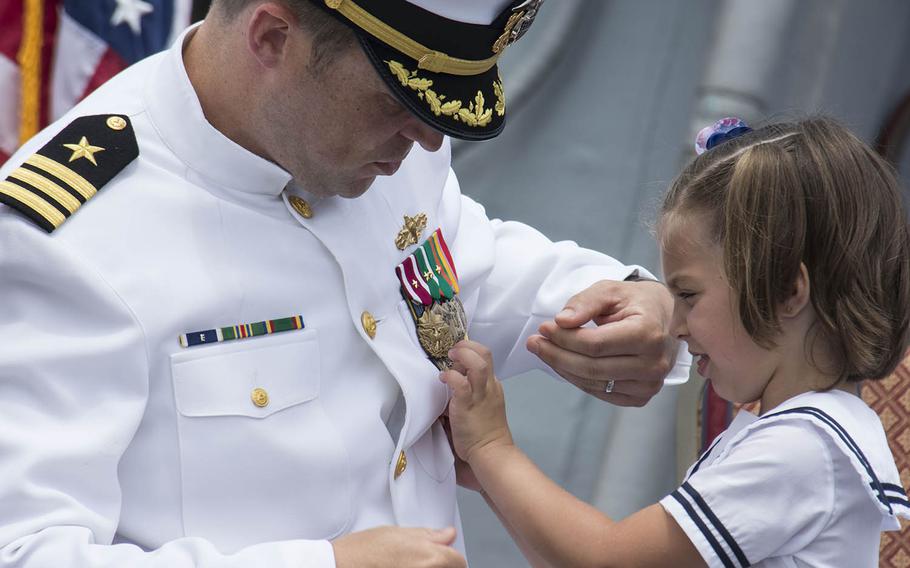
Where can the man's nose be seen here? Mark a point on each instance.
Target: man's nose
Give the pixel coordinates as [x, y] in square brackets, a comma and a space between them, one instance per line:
[422, 133]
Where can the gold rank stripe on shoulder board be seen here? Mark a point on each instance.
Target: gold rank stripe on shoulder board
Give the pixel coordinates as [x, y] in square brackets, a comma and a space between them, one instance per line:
[70, 169]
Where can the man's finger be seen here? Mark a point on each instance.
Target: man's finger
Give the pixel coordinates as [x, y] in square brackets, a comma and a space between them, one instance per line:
[625, 337]
[632, 388]
[621, 367]
[444, 536]
[618, 399]
[641, 389]
[591, 302]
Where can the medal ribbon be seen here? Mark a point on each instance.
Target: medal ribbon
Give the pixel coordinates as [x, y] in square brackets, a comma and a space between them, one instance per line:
[428, 268]
[441, 254]
[415, 281]
[402, 277]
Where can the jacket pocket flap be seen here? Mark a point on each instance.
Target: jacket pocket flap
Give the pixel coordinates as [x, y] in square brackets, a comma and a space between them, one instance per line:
[255, 379]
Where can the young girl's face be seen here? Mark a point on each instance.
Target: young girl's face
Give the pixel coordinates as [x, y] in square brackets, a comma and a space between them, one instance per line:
[706, 315]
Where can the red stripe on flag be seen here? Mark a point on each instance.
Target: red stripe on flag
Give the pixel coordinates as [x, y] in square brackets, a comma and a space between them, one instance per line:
[715, 414]
[11, 24]
[109, 65]
[51, 17]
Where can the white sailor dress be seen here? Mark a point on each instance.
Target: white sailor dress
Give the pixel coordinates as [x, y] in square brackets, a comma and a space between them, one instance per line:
[811, 483]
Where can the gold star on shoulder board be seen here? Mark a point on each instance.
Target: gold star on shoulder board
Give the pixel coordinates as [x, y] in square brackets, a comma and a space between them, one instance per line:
[53, 183]
[410, 233]
[84, 150]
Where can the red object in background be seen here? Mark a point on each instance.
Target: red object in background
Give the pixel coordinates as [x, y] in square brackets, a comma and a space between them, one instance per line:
[26, 47]
[715, 415]
[53, 53]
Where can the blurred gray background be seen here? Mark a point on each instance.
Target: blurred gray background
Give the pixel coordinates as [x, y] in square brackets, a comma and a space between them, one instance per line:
[605, 98]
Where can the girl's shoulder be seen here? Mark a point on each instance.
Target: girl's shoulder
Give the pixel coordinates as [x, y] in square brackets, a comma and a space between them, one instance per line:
[852, 433]
[814, 471]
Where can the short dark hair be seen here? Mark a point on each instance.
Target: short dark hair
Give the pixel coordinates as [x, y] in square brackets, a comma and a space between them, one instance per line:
[330, 36]
[808, 192]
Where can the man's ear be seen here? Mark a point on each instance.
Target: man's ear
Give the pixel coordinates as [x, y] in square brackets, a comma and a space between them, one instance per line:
[268, 30]
[799, 294]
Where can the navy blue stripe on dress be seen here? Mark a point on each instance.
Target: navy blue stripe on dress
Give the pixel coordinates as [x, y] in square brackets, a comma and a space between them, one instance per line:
[845, 437]
[731, 542]
[704, 456]
[899, 499]
[693, 514]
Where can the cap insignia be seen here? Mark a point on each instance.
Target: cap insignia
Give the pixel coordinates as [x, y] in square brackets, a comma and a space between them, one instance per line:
[519, 22]
[503, 40]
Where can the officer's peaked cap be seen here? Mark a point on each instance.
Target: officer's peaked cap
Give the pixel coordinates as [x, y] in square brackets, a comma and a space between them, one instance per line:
[440, 57]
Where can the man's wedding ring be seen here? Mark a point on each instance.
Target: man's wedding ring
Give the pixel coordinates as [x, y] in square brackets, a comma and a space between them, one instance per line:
[609, 388]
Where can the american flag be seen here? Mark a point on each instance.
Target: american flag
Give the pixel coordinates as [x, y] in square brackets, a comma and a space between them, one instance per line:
[55, 52]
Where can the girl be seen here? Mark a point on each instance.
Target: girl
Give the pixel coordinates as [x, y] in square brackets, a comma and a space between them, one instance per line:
[788, 254]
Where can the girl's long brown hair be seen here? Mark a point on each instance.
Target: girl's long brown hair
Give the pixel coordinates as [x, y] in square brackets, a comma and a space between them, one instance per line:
[809, 192]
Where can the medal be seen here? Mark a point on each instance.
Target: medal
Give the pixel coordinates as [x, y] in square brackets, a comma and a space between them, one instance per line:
[429, 285]
[439, 327]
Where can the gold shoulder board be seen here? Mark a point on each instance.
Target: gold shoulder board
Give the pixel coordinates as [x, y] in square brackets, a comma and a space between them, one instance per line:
[70, 169]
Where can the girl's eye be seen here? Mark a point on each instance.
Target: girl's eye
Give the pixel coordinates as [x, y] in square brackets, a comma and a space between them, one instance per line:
[684, 296]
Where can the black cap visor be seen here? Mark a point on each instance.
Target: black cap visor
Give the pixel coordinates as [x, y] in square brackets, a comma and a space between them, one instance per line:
[470, 107]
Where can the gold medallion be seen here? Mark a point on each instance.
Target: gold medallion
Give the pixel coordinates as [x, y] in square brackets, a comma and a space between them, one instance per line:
[439, 328]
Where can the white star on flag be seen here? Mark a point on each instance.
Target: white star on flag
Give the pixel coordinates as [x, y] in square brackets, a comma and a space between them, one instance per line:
[131, 12]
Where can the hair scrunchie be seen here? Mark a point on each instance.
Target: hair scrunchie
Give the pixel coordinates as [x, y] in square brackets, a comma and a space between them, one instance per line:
[719, 132]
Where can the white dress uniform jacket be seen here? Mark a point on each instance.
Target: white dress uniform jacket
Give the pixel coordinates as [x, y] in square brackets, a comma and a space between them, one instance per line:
[812, 483]
[119, 447]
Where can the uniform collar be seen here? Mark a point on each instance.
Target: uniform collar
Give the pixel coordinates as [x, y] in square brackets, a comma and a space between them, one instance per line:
[177, 115]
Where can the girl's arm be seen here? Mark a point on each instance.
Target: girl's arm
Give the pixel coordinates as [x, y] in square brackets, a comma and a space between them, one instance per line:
[569, 532]
[559, 528]
[534, 559]
[468, 480]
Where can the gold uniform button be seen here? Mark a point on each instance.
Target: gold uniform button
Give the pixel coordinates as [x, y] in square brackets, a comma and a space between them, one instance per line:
[301, 207]
[401, 465]
[260, 398]
[116, 123]
[369, 324]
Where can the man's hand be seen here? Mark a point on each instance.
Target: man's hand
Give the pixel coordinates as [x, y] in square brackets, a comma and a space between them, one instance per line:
[397, 547]
[630, 345]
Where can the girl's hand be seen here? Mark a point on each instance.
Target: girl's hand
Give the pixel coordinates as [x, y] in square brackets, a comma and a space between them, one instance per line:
[477, 411]
[464, 475]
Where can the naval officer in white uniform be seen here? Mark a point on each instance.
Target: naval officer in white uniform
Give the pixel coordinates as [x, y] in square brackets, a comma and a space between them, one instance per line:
[230, 277]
